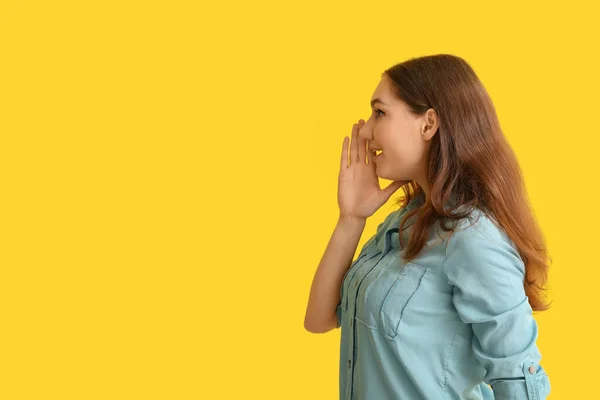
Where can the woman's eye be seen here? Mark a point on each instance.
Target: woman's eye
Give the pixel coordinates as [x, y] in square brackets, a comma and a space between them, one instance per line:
[378, 111]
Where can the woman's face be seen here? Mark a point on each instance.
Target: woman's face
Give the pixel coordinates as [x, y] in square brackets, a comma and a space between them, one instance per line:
[392, 129]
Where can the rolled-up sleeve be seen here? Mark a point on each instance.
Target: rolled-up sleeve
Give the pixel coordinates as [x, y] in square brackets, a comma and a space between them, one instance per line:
[487, 276]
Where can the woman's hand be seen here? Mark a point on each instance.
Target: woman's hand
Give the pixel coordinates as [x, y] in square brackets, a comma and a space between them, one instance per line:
[359, 194]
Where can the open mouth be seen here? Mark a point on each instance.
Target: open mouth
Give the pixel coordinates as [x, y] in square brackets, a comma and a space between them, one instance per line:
[377, 154]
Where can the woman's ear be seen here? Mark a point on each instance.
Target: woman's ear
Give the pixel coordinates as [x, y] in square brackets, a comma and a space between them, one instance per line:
[430, 126]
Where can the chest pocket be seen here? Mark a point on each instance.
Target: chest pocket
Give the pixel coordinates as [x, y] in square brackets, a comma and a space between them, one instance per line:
[398, 298]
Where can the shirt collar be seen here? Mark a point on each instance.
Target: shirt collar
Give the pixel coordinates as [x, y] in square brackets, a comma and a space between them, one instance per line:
[388, 232]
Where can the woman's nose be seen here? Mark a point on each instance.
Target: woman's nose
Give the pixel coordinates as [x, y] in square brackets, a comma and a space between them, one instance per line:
[363, 130]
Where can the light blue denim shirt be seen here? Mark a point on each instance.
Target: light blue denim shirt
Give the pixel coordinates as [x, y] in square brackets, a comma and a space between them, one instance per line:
[443, 326]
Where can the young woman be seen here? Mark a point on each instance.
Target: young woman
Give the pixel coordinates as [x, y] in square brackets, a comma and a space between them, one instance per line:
[438, 304]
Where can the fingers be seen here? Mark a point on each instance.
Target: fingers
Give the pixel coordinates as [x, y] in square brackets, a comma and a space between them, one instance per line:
[362, 143]
[354, 148]
[344, 160]
[371, 153]
[355, 151]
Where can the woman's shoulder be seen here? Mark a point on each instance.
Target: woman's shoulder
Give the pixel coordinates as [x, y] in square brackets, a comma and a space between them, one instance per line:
[480, 244]
[478, 225]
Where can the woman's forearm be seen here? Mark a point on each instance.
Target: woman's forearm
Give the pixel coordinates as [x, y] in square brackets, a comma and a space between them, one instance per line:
[325, 289]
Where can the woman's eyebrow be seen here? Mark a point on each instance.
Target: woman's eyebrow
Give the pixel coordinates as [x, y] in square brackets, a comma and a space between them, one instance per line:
[377, 100]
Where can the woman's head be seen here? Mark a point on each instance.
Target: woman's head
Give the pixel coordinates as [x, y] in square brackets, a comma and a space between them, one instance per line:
[439, 130]
[402, 135]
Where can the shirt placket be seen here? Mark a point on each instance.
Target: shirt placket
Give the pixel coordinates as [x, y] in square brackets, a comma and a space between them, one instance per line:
[371, 263]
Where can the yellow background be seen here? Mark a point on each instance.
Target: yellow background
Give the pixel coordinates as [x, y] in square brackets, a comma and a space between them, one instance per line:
[169, 179]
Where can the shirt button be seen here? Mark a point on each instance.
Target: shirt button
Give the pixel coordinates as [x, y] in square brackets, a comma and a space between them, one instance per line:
[349, 363]
[531, 369]
[356, 284]
[350, 324]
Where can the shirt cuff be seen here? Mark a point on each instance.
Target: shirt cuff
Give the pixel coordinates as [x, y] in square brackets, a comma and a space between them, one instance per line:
[511, 390]
[535, 385]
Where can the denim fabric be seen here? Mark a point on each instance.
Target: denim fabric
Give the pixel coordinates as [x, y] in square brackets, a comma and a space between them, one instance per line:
[443, 326]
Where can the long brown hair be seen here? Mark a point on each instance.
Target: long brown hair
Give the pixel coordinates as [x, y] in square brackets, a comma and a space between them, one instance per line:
[469, 160]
